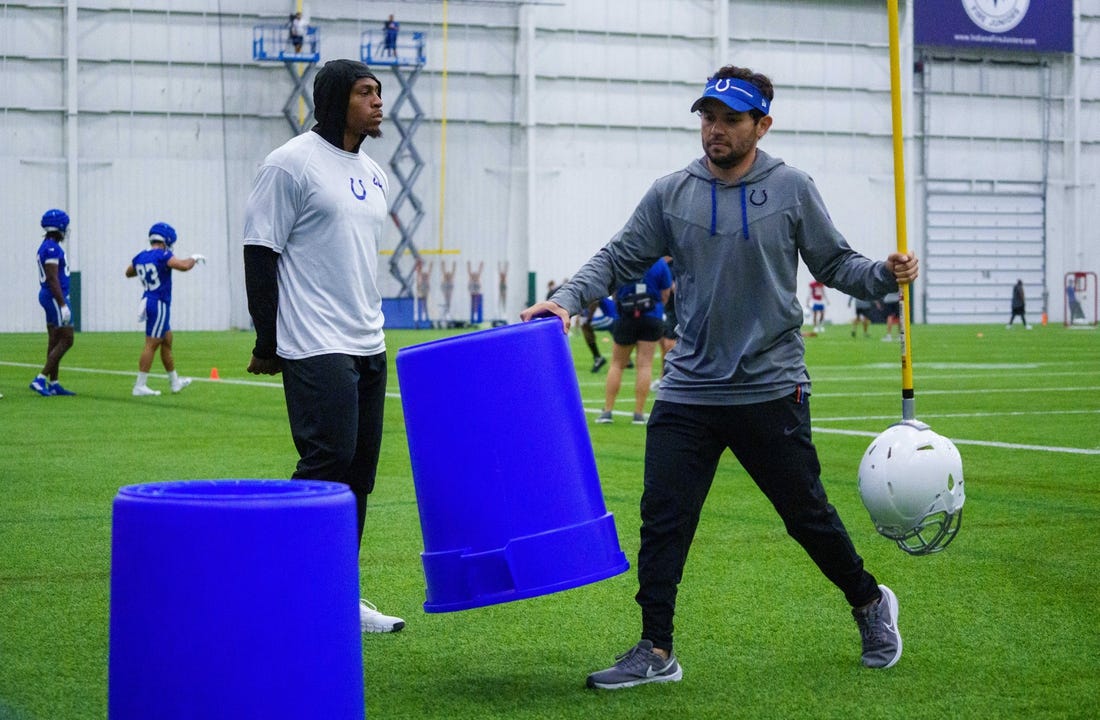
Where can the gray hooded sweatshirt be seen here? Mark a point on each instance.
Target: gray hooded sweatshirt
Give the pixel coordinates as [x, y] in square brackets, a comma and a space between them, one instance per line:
[735, 251]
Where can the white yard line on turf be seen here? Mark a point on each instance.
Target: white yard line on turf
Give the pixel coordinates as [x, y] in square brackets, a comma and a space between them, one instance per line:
[984, 443]
[837, 376]
[833, 431]
[963, 391]
[130, 373]
[861, 418]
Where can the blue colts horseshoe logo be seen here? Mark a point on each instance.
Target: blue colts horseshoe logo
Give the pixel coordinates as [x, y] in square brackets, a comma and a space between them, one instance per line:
[752, 198]
[362, 188]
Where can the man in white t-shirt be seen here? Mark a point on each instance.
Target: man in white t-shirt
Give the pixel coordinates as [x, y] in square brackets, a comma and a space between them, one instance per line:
[312, 226]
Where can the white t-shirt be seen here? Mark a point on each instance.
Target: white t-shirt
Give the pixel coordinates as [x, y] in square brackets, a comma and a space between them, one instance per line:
[322, 209]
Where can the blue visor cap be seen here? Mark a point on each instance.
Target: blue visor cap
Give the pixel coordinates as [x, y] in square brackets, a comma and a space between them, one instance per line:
[739, 95]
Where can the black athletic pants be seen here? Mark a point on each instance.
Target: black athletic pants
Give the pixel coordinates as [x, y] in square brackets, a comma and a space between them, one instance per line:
[335, 404]
[772, 442]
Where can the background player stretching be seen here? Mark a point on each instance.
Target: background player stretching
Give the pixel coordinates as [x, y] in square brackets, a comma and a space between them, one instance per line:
[154, 268]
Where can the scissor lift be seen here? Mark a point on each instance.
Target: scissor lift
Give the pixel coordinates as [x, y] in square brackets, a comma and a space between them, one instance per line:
[271, 43]
[407, 211]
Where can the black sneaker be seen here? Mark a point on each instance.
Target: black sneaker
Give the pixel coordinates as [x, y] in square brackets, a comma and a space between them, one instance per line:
[598, 363]
[878, 630]
[637, 666]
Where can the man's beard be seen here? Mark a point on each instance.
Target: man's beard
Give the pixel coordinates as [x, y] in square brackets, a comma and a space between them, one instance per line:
[724, 161]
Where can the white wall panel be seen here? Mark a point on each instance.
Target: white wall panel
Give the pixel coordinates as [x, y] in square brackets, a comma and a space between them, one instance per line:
[1007, 160]
[474, 49]
[31, 32]
[1090, 119]
[1013, 118]
[809, 20]
[36, 84]
[475, 98]
[649, 17]
[121, 201]
[591, 183]
[1090, 77]
[174, 118]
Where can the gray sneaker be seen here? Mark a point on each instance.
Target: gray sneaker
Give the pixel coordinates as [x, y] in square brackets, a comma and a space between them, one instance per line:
[604, 418]
[639, 419]
[637, 666]
[878, 629]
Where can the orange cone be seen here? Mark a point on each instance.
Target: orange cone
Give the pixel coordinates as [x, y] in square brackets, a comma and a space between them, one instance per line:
[214, 374]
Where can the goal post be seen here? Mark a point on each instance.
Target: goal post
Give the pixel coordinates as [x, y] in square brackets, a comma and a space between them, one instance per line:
[1080, 299]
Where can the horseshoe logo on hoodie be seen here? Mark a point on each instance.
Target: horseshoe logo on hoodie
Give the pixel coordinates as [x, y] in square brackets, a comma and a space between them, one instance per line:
[361, 188]
[752, 198]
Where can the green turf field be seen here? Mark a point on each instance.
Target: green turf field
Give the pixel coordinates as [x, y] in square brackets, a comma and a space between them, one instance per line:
[1003, 624]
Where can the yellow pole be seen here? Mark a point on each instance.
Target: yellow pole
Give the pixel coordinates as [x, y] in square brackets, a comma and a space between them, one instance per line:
[443, 132]
[907, 396]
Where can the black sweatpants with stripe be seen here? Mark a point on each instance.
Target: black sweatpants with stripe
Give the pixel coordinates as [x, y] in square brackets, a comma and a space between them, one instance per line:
[772, 441]
[335, 404]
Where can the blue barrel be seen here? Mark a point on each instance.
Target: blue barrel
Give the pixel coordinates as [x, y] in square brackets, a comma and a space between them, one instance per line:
[235, 599]
[506, 483]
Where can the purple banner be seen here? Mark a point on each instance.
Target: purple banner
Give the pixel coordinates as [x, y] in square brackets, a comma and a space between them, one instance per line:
[1012, 25]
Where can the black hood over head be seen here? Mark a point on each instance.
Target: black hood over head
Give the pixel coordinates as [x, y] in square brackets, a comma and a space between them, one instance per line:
[331, 92]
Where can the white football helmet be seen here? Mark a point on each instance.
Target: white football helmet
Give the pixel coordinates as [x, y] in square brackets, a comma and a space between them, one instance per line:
[911, 482]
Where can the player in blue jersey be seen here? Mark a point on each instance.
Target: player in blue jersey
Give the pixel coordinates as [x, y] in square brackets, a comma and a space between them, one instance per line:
[599, 315]
[154, 268]
[641, 308]
[53, 296]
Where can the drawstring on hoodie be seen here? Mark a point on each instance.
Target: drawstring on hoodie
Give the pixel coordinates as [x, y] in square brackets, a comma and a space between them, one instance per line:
[744, 213]
[714, 209]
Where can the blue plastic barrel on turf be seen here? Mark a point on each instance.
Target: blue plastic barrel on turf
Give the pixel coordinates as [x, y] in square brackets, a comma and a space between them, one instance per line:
[506, 482]
[235, 599]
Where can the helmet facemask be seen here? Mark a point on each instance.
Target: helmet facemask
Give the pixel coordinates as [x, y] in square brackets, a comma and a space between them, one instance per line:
[911, 482]
[932, 534]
